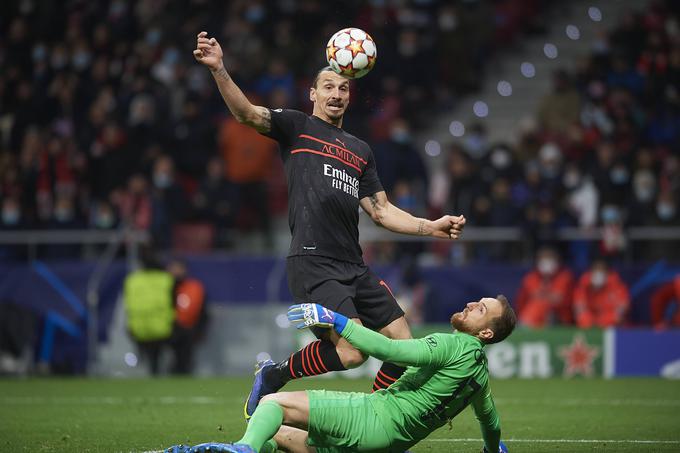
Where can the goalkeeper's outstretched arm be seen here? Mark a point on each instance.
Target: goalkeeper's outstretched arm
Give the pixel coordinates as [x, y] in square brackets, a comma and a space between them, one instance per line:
[209, 53]
[417, 352]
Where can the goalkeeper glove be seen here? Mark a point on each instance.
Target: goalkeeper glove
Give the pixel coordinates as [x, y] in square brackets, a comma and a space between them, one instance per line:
[304, 316]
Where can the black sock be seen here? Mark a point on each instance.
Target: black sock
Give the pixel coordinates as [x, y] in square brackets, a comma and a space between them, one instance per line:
[388, 373]
[316, 358]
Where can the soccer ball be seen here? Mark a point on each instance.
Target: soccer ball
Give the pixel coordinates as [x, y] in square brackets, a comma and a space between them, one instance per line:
[351, 52]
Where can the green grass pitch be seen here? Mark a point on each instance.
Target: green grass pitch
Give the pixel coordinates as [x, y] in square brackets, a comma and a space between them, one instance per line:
[90, 415]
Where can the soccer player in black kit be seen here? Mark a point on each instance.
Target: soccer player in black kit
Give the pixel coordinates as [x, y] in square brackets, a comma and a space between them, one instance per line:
[330, 174]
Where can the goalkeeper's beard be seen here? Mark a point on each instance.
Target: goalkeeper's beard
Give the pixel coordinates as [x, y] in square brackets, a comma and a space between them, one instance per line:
[458, 323]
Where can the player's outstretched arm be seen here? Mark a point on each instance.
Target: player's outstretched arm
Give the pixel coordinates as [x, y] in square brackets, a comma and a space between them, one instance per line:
[209, 53]
[489, 422]
[418, 352]
[394, 219]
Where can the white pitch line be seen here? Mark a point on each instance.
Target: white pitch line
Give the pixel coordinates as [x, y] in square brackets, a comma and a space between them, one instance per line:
[590, 401]
[118, 400]
[566, 441]
[544, 441]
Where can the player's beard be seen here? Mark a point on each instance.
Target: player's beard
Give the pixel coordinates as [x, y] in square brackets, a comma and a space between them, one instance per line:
[458, 323]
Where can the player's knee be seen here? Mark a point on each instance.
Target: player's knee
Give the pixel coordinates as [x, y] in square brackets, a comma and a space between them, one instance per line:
[351, 357]
[397, 330]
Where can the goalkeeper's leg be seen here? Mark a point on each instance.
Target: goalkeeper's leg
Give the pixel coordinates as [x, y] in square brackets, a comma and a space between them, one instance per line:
[291, 408]
[330, 353]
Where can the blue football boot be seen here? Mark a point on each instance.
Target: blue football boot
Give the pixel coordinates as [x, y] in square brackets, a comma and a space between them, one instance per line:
[178, 449]
[217, 447]
[259, 389]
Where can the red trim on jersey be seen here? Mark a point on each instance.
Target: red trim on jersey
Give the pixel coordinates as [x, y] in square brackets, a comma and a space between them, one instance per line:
[332, 144]
[320, 153]
[382, 282]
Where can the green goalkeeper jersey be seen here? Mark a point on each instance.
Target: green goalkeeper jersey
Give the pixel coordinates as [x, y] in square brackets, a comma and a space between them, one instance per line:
[447, 371]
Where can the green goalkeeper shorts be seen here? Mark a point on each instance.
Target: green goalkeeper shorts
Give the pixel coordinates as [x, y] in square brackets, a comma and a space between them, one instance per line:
[344, 422]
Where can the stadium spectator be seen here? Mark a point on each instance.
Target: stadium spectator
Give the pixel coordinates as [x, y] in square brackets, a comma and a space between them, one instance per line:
[248, 165]
[545, 294]
[134, 203]
[396, 419]
[664, 305]
[149, 307]
[168, 201]
[601, 298]
[190, 316]
[561, 108]
[216, 199]
[12, 219]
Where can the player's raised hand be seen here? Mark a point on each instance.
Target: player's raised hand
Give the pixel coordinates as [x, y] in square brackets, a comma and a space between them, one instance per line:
[448, 227]
[208, 51]
[304, 316]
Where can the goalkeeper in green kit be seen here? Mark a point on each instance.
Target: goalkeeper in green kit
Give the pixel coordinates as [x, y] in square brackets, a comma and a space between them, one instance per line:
[447, 372]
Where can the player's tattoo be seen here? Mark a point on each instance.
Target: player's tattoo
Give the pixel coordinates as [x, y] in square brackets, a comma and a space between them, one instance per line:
[221, 74]
[374, 201]
[421, 228]
[266, 116]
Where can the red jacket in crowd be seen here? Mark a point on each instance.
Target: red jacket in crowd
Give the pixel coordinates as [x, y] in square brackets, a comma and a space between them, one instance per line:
[543, 300]
[660, 301]
[602, 306]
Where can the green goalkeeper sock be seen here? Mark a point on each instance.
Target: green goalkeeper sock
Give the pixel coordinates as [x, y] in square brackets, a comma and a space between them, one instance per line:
[269, 447]
[263, 425]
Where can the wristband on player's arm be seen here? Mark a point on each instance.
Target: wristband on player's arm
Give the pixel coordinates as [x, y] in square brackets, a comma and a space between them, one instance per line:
[340, 322]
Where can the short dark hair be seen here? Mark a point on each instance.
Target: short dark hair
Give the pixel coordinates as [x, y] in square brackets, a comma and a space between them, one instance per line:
[504, 324]
[318, 75]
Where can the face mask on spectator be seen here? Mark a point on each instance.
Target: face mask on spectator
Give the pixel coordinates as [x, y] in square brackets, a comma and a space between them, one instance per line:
[597, 278]
[644, 194]
[546, 266]
[475, 145]
[153, 36]
[400, 135]
[255, 13]
[10, 216]
[665, 211]
[103, 220]
[448, 22]
[500, 159]
[610, 214]
[619, 175]
[81, 60]
[39, 52]
[571, 179]
[162, 180]
[63, 214]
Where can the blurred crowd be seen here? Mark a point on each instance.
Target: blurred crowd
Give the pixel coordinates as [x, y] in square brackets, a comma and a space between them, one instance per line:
[106, 120]
[602, 151]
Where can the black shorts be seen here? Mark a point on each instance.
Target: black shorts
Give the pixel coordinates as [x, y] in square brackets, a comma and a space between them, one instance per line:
[347, 288]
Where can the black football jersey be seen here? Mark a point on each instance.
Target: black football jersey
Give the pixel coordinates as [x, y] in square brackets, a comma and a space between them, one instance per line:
[328, 172]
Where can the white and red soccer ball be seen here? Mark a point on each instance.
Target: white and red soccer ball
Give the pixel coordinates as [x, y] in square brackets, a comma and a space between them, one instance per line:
[351, 52]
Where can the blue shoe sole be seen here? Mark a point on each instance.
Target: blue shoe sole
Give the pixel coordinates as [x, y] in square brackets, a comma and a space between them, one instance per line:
[178, 449]
[217, 447]
[256, 392]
